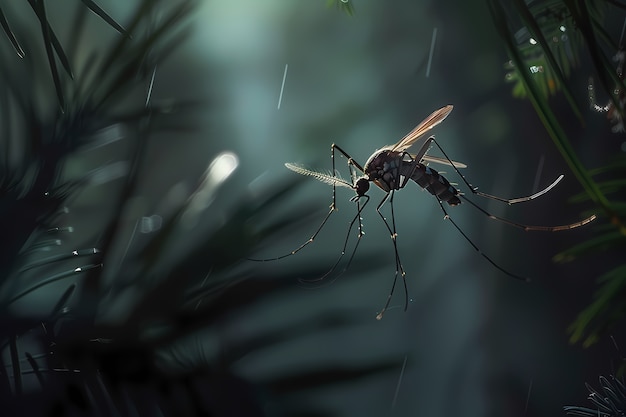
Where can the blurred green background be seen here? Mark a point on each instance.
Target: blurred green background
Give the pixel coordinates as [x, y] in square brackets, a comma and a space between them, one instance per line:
[473, 342]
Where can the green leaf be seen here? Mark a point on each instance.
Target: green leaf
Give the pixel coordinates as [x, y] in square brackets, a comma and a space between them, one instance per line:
[97, 10]
[611, 240]
[552, 65]
[15, 362]
[7, 30]
[33, 364]
[606, 308]
[54, 278]
[60, 257]
[40, 11]
[343, 5]
[58, 307]
[546, 115]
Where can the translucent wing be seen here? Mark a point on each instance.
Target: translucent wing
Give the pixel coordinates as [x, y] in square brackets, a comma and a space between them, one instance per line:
[443, 161]
[421, 156]
[326, 178]
[431, 121]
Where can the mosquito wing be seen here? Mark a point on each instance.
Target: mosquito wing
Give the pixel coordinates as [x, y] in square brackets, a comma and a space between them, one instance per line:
[421, 156]
[323, 177]
[431, 121]
[443, 161]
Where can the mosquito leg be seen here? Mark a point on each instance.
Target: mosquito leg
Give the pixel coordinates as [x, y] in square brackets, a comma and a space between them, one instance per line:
[527, 227]
[333, 208]
[350, 160]
[302, 246]
[399, 268]
[491, 261]
[398, 262]
[345, 245]
[509, 201]
[361, 232]
[425, 146]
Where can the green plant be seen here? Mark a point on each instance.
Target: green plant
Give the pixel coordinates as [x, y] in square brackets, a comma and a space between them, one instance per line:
[158, 360]
[611, 402]
[583, 18]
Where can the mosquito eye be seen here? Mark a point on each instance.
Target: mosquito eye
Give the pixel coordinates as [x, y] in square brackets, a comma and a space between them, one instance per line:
[362, 185]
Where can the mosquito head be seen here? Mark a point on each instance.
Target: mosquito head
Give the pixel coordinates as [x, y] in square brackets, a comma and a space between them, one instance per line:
[361, 187]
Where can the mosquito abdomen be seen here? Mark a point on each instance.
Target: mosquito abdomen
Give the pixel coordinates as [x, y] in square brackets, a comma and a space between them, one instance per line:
[435, 184]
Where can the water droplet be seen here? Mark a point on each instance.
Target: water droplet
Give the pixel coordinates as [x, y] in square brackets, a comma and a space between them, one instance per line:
[151, 224]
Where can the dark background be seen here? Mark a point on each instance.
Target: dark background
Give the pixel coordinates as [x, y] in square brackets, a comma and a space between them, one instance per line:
[475, 341]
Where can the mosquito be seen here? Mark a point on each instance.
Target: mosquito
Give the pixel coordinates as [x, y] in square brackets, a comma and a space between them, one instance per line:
[390, 169]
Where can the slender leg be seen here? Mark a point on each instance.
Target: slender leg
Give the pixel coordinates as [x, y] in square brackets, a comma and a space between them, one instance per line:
[474, 190]
[526, 227]
[353, 165]
[491, 261]
[345, 245]
[399, 268]
[350, 160]
[332, 208]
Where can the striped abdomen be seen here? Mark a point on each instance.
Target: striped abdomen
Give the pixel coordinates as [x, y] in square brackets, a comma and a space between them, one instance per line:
[435, 184]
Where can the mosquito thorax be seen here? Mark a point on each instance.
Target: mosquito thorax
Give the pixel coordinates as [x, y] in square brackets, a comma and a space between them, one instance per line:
[362, 185]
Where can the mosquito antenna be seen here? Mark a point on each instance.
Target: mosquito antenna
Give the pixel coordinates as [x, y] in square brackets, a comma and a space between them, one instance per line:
[527, 227]
[509, 201]
[325, 178]
[491, 261]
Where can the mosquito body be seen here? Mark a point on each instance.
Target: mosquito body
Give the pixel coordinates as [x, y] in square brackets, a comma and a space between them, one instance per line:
[390, 169]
